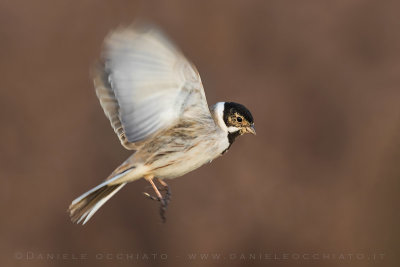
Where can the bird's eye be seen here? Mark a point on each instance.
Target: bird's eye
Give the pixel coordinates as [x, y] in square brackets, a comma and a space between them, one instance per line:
[239, 119]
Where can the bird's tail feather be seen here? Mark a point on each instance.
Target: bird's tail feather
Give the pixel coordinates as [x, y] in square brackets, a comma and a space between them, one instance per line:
[85, 206]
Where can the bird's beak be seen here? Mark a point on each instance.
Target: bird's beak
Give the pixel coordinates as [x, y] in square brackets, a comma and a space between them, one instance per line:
[251, 129]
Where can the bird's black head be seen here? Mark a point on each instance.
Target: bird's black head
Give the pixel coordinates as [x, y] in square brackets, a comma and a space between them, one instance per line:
[238, 119]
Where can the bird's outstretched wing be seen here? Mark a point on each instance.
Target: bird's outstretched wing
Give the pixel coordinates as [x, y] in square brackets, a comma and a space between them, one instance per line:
[145, 84]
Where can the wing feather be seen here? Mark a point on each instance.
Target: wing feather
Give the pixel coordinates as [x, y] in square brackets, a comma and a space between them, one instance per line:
[144, 84]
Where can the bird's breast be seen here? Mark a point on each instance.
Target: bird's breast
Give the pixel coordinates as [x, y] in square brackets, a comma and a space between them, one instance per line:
[174, 162]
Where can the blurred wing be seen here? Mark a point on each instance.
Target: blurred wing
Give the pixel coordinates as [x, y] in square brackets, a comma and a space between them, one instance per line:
[146, 84]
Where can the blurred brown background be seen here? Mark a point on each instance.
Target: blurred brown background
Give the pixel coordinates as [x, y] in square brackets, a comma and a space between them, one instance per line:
[321, 176]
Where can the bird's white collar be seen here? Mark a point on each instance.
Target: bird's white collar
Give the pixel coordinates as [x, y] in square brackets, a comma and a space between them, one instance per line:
[219, 118]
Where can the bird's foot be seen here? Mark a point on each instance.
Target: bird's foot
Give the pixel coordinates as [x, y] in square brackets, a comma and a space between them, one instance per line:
[164, 200]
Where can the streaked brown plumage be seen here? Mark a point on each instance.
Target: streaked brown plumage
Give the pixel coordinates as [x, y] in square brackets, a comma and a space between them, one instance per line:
[156, 105]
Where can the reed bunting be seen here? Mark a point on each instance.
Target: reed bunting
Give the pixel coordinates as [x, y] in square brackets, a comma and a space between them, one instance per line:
[155, 101]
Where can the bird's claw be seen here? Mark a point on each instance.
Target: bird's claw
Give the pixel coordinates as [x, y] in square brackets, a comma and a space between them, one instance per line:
[150, 196]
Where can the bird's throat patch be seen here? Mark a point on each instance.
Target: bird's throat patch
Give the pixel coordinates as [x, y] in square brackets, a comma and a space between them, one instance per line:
[231, 139]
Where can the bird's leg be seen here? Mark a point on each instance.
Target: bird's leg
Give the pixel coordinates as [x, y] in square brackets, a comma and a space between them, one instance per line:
[163, 200]
[158, 187]
[168, 192]
[159, 196]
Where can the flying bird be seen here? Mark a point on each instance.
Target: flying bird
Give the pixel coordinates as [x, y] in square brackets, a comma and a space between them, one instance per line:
[155, 101]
